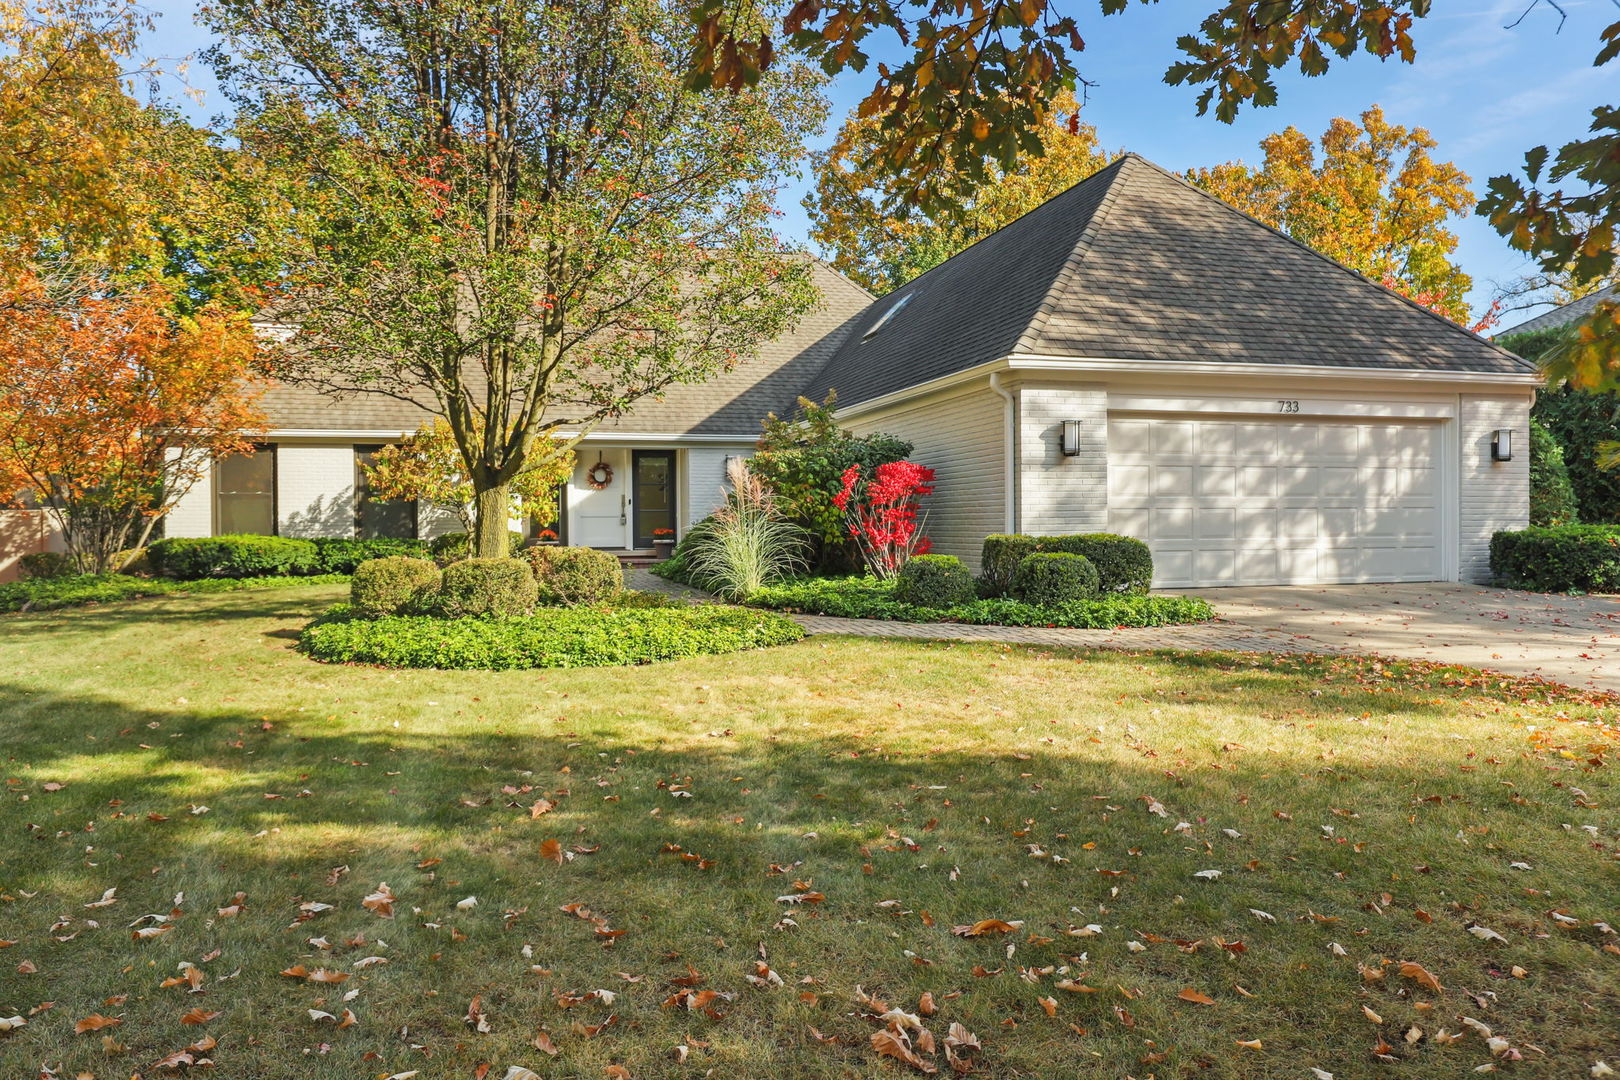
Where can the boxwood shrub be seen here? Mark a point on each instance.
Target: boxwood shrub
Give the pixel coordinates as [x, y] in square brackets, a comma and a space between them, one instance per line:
[393, 585]
[474, 587]
[1564, 558]
[575, 575]
[191, 558]
[341, 554]
[449, 547]
[1047, 578]
[550, 638]
[934, 581]
[1124, 564]
[869, 598]
[39, 565]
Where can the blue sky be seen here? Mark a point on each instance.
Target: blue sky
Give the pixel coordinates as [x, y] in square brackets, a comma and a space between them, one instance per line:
[1487, 94]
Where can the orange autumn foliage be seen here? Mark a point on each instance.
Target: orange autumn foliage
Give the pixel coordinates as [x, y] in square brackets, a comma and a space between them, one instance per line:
[98, 389]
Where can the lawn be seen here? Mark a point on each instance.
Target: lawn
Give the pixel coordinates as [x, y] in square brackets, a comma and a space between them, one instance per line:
[822, 813]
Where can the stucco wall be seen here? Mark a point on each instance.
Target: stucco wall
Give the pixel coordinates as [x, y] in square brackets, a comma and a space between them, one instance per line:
[1058, 494]
[1495, 494]
[961, 435]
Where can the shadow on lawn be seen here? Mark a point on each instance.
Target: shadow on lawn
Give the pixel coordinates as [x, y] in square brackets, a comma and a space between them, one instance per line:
[937, 816]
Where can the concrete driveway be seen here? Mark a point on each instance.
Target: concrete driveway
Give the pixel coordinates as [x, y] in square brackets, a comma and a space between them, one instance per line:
[1571, 640]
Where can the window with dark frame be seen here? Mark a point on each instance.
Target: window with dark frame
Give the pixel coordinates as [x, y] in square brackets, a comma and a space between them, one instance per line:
[374, 518]
[245, 493]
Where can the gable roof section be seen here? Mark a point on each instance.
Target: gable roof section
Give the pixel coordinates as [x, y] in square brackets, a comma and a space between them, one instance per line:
[1572, 312]
[1134, 263]
[731, 403]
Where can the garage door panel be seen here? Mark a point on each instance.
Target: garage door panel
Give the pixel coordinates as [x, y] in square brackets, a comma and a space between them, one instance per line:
[1217, 481]
[1225, 502]
[1218, 566]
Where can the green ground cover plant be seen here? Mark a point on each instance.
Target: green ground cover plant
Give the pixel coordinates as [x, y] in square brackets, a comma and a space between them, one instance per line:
[871, 598]
[548, 638]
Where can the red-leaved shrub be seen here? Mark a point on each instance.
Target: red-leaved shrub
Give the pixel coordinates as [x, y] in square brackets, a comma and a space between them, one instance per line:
[882, 513]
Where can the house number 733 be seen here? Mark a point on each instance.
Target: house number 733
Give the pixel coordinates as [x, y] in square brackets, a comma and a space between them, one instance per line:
[1284, 405]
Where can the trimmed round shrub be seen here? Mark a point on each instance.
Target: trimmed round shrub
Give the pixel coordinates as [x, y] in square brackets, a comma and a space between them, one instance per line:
[191, 558]
[1049, 578]
[1584, 558]
[1124, 564]
[450, 547]
[999, 560]
[393, 585]
[550, 638]
[341, 554]
[474, 587]
[131, 561]
[934, 581]
[575, 575]
[40, 565]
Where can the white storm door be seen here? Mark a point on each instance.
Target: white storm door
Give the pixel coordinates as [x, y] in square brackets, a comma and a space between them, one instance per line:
[1239, 501]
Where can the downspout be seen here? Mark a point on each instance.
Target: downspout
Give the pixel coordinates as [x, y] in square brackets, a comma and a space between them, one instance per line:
[1009, 459]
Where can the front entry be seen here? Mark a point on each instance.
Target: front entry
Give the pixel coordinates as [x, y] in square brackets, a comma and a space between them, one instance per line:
[652, 496]
[598, 515]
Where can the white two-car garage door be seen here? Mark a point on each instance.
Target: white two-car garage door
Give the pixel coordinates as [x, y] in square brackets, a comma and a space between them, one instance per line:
[1238, 501]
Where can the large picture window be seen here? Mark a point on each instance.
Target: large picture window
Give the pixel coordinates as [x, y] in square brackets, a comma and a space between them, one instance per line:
[376, 518]
[245, 493]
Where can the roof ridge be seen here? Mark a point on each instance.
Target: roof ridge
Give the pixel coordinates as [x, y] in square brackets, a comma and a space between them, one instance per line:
[1071, 265]
[1431, 313]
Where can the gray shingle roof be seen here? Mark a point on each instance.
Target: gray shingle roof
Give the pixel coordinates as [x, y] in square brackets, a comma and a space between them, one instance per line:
[1134, 263]
[1572, 312]
[731, 403]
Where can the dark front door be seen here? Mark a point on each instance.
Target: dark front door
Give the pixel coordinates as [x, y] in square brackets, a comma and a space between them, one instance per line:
[652, 495]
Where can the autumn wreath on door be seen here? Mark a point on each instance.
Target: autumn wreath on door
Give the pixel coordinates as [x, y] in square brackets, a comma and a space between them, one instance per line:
[599, 476]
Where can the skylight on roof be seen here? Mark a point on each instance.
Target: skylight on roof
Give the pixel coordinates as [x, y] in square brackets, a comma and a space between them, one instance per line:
[887, 315]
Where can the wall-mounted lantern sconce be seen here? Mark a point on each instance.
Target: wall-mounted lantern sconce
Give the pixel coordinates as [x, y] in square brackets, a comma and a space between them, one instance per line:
[1071, 438]
[1502, 445]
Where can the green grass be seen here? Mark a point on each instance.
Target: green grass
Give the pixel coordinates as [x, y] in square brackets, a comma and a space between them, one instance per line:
[905, 781]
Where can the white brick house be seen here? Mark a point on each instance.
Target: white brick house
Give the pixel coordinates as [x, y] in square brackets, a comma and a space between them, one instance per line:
[1134, 356]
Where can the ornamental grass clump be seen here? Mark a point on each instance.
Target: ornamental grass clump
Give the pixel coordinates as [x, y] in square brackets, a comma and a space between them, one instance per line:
[747, 544]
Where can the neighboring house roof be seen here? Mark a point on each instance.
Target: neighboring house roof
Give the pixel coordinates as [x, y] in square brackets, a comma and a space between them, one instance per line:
[1572, 312]
[731, 403]
[1134, 263]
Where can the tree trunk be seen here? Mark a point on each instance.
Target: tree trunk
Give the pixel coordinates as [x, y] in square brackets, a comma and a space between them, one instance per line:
[492, 505]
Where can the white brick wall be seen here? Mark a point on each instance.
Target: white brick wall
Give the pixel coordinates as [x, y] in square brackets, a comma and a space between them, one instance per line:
[315, 490]
[1058, 494]
[961, 435]
[703, 476]
[1495, 494]
[193, 515]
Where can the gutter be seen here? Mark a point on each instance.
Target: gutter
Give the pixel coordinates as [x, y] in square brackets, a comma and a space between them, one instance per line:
[1009, 458]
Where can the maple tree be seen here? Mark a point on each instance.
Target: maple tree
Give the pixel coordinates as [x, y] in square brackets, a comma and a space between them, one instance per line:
[857, 216]
[978, 82]
[514, 213]
[112, 406]
[428, 467]
[1369, 195]
[67, 126]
